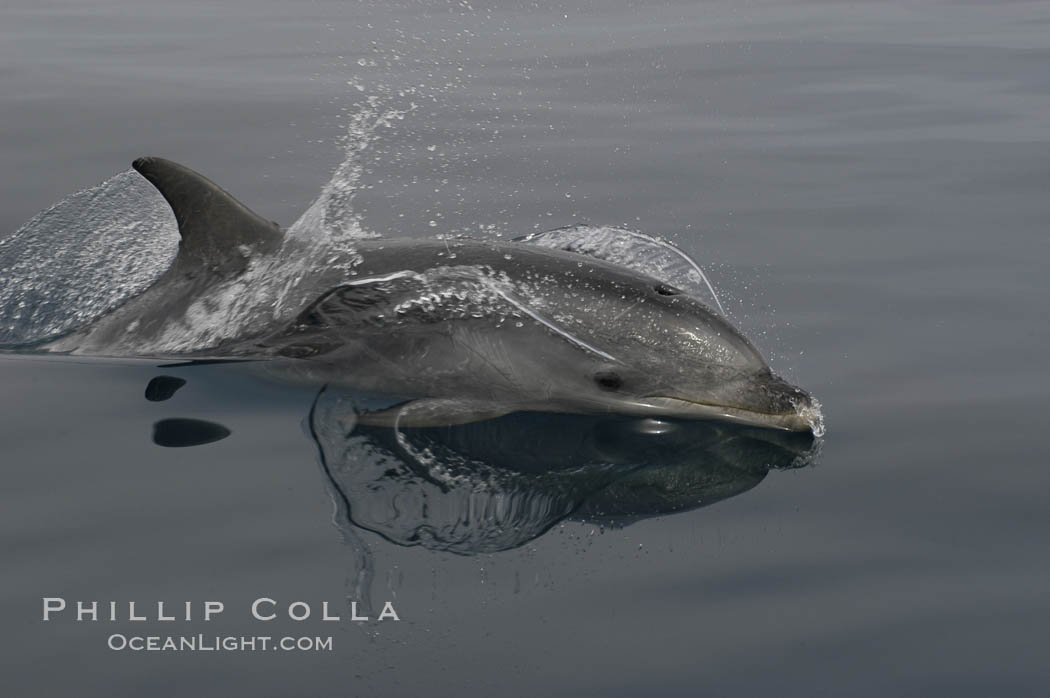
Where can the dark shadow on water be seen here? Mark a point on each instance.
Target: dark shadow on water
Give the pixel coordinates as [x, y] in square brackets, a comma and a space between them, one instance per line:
[181, 432]
[163, 388]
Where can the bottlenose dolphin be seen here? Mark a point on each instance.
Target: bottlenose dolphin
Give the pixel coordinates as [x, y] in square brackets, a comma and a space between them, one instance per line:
[461, 329]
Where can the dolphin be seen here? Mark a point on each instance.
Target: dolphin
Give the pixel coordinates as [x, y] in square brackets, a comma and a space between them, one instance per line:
[454, 330]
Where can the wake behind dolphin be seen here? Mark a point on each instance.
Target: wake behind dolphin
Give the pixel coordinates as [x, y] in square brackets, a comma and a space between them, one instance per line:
[463, 329]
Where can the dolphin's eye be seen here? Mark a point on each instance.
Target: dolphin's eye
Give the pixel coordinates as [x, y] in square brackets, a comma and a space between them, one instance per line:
[608, 380]
[665, 290]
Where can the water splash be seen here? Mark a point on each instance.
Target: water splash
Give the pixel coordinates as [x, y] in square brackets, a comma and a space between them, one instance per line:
[331, 217]
[813, 414]
[82, 257]
[99, 247]
[651, 255]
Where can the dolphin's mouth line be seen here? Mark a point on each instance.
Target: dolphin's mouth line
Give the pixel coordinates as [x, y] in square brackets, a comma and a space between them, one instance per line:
[787, 421]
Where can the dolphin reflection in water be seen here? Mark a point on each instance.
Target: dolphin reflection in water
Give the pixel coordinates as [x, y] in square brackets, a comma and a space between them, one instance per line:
[497, 484]
[490, 486]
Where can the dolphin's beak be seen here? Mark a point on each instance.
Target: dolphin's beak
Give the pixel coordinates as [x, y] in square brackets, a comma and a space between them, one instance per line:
[765, 401]
[804, 418]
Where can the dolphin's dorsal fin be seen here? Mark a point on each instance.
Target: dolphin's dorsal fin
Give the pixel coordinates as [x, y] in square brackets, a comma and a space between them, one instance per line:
[218, 232]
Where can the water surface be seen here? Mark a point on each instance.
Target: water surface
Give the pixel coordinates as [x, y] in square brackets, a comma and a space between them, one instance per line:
[866, 185]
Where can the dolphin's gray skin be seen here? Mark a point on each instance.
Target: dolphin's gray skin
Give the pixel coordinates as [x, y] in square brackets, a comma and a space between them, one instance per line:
[468, 329]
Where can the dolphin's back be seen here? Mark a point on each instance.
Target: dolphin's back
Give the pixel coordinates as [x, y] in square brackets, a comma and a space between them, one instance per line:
[217, 299]
[409, 286]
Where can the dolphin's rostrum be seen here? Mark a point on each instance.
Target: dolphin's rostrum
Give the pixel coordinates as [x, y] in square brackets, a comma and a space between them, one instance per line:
[460, 329]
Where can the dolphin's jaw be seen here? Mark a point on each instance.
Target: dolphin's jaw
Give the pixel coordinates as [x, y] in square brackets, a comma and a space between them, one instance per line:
[807, 416]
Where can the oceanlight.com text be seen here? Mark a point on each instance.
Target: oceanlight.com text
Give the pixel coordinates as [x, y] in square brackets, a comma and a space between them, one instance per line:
[217, 643]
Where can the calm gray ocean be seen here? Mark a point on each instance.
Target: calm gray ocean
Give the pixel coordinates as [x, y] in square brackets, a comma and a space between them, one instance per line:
[867, 183]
